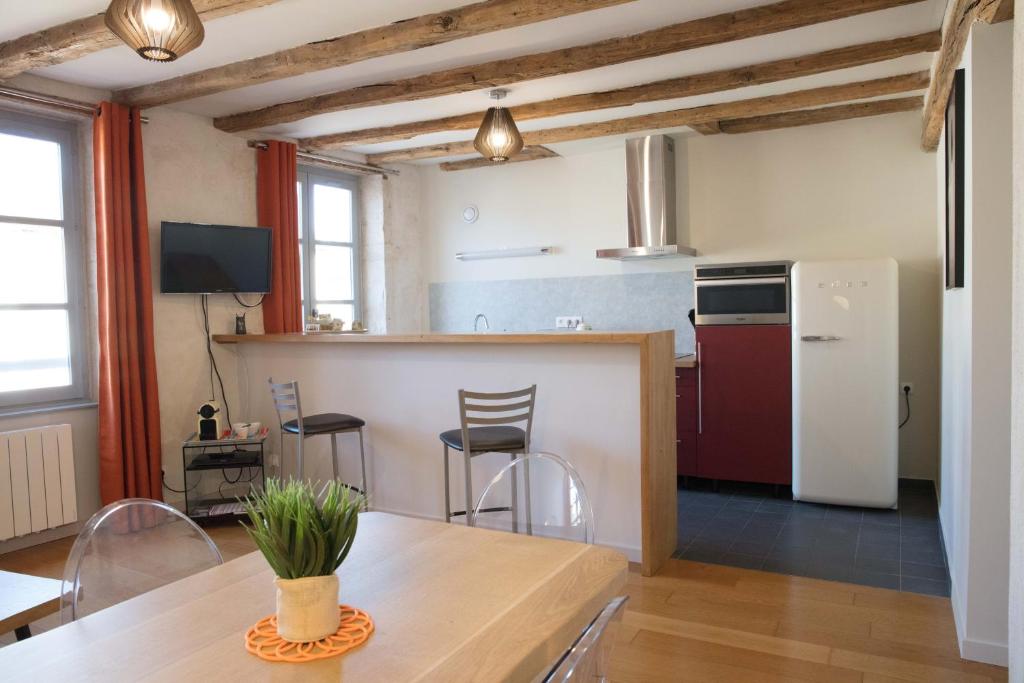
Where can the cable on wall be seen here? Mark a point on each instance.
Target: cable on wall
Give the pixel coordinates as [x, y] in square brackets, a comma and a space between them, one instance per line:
[245, 305]
[214, 370]
[906, 395]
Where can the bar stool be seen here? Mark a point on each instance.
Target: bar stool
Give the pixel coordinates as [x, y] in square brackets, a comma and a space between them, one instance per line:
[286, 401]
[496, 436]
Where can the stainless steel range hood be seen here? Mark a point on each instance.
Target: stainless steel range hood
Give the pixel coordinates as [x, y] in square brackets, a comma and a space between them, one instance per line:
[651, 201]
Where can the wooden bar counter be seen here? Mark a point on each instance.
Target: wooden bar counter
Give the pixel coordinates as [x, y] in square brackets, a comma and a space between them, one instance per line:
[605, 401]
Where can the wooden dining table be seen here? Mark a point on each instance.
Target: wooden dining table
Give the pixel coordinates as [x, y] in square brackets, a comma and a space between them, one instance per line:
[450, 603]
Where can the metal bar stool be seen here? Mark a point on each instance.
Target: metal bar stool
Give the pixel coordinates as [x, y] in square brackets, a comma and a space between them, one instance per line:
[497, 435]
[287, 402]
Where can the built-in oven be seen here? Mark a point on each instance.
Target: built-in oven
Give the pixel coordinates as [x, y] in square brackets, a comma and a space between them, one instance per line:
[742, 294]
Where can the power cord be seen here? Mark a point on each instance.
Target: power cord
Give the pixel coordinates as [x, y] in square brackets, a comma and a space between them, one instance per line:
[163, 479]
[906, 395]
[214, 370]
[245, 305]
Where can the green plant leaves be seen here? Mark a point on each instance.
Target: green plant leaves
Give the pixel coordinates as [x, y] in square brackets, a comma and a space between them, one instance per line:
[298, 535]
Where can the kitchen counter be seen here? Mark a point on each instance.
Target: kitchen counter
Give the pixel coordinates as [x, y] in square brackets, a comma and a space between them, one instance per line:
[687, 361]
[605, 402]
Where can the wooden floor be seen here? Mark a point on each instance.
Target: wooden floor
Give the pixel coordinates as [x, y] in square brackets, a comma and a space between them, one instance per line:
[703, 622]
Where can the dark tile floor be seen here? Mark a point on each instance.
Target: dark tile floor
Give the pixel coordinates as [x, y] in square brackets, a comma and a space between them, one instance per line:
[744, 525]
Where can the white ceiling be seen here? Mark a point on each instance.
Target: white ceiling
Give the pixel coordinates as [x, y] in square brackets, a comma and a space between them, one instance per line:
[293, 22]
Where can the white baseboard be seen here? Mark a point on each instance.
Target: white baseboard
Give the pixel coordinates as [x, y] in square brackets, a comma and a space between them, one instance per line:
[633, 554]
[40, 537]
[974, 649]
[985, 652]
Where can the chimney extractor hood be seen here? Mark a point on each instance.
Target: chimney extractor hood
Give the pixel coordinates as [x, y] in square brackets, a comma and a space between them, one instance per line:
[651, 201]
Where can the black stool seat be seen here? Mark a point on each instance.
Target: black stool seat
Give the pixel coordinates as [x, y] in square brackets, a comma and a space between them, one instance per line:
[324, 423]
[485, 439]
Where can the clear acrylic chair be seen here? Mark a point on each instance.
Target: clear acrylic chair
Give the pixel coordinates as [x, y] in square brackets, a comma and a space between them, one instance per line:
[540, 493]
[588, 658]
[128, 548]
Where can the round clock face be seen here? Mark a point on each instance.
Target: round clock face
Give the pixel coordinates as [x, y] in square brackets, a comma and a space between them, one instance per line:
[470, 214]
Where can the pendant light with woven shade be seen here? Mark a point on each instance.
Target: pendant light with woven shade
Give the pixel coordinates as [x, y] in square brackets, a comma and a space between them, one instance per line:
[158, 30]
[498, 138]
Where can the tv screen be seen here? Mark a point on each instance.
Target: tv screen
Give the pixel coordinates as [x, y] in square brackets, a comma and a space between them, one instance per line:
[201, 259]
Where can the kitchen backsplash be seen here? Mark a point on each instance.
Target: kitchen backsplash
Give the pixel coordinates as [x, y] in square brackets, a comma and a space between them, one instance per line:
[639, 301]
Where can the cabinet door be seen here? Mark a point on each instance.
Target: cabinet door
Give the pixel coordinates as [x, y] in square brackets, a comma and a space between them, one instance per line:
[745, 412]
[686, 421]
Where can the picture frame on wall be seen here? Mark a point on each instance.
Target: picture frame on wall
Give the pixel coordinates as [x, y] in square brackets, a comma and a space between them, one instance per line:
[955, 183]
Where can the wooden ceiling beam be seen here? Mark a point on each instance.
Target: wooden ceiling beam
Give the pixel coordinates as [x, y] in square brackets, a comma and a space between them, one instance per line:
[772, 104]
[956, 29]
[721, 28]
[380, 41]
[686, 86]
[995, 11]
[528, 154]
[709, 128]
[808, 117]
[78, 38]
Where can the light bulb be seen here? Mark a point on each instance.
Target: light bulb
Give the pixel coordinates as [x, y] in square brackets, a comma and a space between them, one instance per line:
[156, 19]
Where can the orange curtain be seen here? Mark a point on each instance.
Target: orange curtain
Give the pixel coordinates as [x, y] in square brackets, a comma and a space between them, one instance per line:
[277, 208]
[129, 411]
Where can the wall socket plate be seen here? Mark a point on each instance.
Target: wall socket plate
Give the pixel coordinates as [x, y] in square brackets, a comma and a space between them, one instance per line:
[567, 322]
[905, 387]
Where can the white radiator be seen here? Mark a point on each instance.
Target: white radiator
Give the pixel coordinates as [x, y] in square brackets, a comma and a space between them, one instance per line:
[37, 480]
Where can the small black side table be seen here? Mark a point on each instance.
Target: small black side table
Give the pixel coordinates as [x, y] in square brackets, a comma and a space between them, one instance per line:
[220, 455]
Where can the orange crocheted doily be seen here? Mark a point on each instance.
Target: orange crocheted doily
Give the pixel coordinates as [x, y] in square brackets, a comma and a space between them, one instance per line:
[353, 630]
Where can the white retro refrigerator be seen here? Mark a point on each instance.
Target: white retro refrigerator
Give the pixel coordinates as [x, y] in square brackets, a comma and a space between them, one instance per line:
[845, 381]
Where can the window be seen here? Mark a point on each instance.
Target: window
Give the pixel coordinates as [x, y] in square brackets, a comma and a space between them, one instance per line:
[328, 240]
[41, 339]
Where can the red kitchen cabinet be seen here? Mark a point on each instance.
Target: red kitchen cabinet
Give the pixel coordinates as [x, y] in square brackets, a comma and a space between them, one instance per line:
[744, 421]
[686, 422]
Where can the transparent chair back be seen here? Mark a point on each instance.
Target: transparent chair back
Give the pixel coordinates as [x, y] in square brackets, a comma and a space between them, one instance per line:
[589, 657]
[540, 494]
[128, 548]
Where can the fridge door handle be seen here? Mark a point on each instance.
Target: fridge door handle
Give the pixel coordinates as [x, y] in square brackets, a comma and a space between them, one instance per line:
[819, 338]
[700, 392]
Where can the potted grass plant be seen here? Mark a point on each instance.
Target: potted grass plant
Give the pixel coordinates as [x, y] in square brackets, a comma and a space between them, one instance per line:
[305, 538]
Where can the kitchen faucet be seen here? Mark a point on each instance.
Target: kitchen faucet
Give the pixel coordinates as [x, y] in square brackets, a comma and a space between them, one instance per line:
[476, 323]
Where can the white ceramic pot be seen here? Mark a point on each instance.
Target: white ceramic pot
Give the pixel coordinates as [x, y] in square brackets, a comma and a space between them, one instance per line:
[307, 608]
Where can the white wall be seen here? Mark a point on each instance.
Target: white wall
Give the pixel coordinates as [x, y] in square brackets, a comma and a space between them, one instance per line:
[1016, 601]
[194, 173]
[976, 359]
[841, 190]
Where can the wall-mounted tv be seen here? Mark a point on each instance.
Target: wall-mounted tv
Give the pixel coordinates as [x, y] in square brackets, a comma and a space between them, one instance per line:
[202, 259]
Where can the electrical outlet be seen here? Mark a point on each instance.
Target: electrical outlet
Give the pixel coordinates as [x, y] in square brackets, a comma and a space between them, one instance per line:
[906, 387]
[568, 322]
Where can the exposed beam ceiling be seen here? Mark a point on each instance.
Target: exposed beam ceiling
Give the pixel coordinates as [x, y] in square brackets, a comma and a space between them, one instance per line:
[807, 117]
[528, 154]
[956, 29]
[759, 106]
[686, 86]
[995, 11]
[747, 23]
[78, 38]
[402, 36]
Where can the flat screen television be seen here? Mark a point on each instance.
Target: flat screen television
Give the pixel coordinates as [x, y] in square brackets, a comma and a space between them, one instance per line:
[202, 259]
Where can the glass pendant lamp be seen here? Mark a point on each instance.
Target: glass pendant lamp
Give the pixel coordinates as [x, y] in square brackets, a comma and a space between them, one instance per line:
[498, 138]
[158, 30]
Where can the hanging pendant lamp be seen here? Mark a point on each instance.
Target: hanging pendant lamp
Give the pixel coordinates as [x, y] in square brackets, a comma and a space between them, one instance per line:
[498, 138]
[158, 30]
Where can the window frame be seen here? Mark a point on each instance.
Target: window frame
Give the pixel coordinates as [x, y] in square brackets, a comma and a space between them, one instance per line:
[65, 134]
[307, 176]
